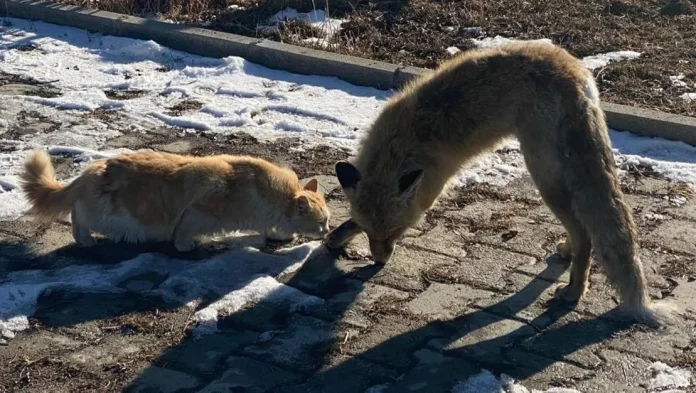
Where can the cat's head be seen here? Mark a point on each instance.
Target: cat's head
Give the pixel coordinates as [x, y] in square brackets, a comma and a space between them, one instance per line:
[311, 214]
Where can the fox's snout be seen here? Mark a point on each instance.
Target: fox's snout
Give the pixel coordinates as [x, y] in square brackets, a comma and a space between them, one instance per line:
[381, 250]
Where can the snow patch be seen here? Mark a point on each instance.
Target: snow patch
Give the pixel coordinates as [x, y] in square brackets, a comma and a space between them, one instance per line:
[486, 382]
[452, 50]
[601, 60]
[317, 19]
[236, 278]
[664, 377]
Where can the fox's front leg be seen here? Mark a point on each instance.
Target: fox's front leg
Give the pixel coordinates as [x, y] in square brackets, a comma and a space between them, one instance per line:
[340, 236]
[185, 232]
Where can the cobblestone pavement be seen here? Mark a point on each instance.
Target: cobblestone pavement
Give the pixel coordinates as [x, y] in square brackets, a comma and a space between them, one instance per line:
[468, 289]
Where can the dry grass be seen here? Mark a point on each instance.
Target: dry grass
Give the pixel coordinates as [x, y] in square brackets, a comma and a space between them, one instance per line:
[417, 32]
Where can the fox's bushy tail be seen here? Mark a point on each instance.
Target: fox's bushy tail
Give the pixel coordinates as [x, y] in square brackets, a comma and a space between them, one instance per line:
[48, 198]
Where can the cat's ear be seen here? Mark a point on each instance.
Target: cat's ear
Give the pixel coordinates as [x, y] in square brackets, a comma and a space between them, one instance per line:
[312, 185]
[348, 176]
[302, 204]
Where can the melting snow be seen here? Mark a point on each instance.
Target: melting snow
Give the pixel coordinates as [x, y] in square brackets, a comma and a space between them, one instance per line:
[486, 382]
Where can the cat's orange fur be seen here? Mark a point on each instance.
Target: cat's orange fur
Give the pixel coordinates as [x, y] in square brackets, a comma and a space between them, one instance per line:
[149, 196]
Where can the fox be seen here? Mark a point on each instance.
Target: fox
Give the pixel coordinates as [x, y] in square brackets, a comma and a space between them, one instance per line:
[151, 196]
[435, 124]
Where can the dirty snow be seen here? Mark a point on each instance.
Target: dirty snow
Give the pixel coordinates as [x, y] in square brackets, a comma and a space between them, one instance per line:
[237, 278]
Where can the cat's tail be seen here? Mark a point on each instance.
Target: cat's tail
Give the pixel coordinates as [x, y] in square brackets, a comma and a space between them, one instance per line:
[48, 198]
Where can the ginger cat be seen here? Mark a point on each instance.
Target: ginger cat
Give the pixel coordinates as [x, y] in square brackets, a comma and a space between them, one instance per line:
[149, 196]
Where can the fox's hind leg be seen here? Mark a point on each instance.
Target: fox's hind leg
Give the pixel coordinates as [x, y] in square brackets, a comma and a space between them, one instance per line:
[80, 227]
[546, 170]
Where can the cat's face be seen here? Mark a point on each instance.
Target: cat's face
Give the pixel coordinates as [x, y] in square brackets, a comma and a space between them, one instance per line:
[311, 214]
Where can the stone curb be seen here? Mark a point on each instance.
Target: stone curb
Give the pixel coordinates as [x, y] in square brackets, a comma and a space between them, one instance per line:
[301, 60]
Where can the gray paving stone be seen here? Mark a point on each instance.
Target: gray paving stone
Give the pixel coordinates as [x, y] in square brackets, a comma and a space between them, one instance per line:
[343, 374]
[537, 239]
[573, 338]
[443, 301]
[482, 336]
[433, 372]
[202, 356]
[391, 341]
[405, 269]
[354, 299]
[109, 351]
[442, 240]
[620, 372]
[553, 269]
[245, 375]
[538, 372]
[296, 347]
[484, 267]
[162, 380]
[664, 346]
[676, 235]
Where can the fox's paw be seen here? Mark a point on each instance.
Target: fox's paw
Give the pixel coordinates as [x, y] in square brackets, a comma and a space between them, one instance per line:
[86, 241]
[569, 293]
[564, 250]
[184, 245]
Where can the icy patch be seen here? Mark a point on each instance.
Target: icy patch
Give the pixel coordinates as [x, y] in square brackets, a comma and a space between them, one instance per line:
[378, 388]
[666, 377]
[486, 382]
[601, 60]
[452, 50]
[236, 278]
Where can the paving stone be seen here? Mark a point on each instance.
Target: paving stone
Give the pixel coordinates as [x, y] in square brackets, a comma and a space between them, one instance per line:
[573, 338]
[553, 269]
[354, 298]
[664, 346]
[261, 317]
[482, 336]
[484, 267]
[297, 347]
[38, 344]
[676, 235]
[685, 212]
[441, 240]
[405, 269]
[162, 380]
[442, 301]
[177, 147]
[391, 341]
[109, 351]
[245, 375]
[343, 374]
[433, 372]
[538, 239]
[619, 372]
[683, 297]
[202, 356]
[538, 372]
[529, 300]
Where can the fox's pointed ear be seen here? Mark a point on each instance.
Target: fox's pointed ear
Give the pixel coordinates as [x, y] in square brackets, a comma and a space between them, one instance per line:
[347, 174]
[311, 185]
[408, 183]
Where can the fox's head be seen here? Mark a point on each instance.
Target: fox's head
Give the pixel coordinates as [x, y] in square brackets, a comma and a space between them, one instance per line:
[384, 207]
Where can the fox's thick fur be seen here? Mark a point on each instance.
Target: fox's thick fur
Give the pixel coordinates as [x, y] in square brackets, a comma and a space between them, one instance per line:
[149, 196]
[537, 92]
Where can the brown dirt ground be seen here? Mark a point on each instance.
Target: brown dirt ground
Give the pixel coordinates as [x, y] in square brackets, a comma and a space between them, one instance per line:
[417, 32]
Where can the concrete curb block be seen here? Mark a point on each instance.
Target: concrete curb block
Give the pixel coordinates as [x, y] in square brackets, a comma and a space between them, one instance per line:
[305, 61]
